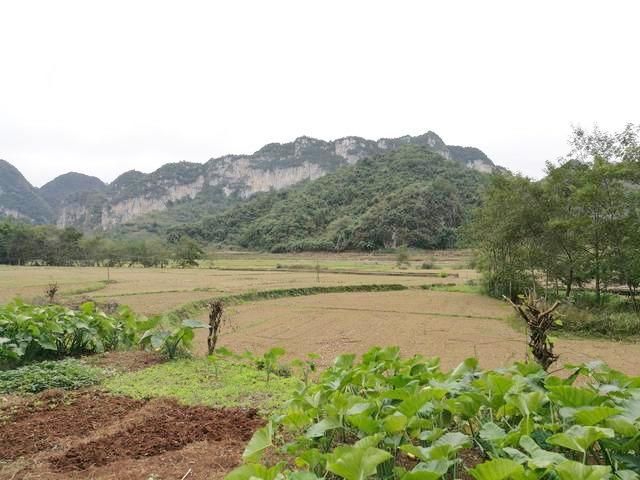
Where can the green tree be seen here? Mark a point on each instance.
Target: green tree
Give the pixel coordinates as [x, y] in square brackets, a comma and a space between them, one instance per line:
[187, 252]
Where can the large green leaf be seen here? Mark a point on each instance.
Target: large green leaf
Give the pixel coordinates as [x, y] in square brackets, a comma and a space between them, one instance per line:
[158, 339]
[395, 423]
[431, 470]
[302, 476]
[593, 415]
[527, 403]
[455, 440]
[568, 396]
[579, 438]
[571, 470]
[320, 428]
[365, 423]
[498, 469]
[261, 440]
[491, 432]
[627, 475]
[194, 323]
[344, 361]
[538, 457]
[255, 471]
[352, 463]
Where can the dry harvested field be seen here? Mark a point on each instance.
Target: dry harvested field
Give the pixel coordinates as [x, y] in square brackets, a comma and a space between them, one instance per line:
[434, 323]
[154, 290]
[448, 325]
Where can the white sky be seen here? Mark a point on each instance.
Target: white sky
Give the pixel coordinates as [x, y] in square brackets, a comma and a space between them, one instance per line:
[101, 87]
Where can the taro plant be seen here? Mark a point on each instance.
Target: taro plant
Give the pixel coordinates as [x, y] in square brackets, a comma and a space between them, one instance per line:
[269, 360]
[306, 367]
[170, 341]
[385, 417]
[31, 332]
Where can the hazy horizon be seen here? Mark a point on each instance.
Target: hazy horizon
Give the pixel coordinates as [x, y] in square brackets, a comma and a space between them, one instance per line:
[105, 88]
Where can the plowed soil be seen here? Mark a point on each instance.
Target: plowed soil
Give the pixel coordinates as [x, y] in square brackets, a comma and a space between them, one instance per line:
[99, 436]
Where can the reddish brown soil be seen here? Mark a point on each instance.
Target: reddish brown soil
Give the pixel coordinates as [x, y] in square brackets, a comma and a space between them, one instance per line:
[125, 361]
[170, 429]
[32, 427]
[100, 436]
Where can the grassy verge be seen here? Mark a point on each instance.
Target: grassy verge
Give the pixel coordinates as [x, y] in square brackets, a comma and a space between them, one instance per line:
[610, 325]
[195, 307]
[94, 287]
[226, 383]
[453, 287]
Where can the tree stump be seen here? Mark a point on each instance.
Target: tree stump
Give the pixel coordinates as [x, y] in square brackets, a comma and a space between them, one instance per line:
[539, 320]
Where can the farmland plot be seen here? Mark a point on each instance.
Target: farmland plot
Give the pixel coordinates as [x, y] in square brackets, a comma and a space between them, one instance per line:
[449, 325]
[154, 290]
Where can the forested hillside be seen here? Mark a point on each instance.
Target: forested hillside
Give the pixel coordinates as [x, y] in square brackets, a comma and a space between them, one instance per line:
[412, 197]
[19, 199]
[184, 192]
[67, 185]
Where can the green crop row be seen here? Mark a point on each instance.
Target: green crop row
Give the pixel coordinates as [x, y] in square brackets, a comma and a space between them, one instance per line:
[390, 418]
[31, 332]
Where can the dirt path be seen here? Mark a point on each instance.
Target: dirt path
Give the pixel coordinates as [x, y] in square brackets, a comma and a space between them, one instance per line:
[451, 326]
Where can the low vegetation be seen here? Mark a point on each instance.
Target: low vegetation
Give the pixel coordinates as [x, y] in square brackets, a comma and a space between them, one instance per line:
[68, 374]
[222, 381]
[390, 418]
[30, 332]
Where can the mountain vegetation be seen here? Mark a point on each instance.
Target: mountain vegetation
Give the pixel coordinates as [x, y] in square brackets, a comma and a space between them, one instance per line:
[183, 192]
[68, 185]
[19, 199]
[412, 197]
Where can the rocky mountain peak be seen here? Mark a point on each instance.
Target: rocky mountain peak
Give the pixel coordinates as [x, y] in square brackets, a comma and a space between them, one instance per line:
[83, 201]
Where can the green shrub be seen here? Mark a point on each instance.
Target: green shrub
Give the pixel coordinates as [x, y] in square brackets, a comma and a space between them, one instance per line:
[69, 374]
[402, 256]
[428, 265]
[600, 323]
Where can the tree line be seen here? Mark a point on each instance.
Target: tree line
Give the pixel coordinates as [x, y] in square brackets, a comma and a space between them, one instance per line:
[25, 244]
[578, 227]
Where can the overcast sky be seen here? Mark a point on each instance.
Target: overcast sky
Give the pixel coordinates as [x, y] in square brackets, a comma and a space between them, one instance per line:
[104, 87]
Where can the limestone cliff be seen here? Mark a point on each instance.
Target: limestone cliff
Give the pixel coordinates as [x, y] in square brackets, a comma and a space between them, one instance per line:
[274, 166]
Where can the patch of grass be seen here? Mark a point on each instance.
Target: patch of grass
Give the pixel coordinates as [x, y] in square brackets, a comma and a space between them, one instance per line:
[226, 383]
[94, 287]
[600, 324]
[453, 287]
[69, 374]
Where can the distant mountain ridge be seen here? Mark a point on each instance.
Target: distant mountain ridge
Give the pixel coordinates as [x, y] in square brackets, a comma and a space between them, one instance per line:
[86, 202]
[64, 186]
